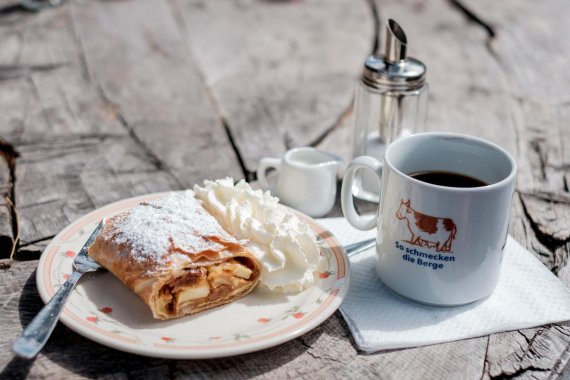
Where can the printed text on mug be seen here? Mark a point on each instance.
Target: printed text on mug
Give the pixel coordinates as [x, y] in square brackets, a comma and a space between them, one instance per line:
[424, 259]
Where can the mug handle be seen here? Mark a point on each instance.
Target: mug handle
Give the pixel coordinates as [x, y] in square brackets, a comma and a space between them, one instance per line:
[265, 164]
[358, 221]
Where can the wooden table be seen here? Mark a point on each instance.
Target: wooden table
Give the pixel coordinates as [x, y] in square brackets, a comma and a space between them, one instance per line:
[103, 100]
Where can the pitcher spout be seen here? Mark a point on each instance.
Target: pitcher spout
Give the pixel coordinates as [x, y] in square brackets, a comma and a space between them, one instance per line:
[332, 159]
[329, 161]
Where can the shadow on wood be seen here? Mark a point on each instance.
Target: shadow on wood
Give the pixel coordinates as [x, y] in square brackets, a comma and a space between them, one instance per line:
[17, 368]
[84, 357]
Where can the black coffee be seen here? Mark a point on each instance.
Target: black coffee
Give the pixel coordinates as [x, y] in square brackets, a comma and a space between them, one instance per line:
[448, 179]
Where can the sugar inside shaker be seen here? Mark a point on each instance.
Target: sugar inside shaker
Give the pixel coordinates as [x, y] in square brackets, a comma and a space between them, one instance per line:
[391, 102]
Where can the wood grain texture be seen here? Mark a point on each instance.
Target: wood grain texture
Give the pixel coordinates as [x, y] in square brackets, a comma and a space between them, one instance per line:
[154, 86]
[105, 100]
[7, 233]
[80, 150]
[263, 59]
[539, 107]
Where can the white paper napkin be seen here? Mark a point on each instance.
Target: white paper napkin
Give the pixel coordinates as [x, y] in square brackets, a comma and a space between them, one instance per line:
[527, 295]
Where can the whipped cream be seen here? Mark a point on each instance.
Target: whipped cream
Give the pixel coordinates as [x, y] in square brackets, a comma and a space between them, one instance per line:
[286, 247]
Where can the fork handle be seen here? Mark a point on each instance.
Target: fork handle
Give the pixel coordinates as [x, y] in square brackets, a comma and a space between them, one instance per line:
[36, 334]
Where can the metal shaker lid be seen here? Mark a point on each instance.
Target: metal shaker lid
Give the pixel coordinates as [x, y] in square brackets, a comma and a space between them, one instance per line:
[393, 68]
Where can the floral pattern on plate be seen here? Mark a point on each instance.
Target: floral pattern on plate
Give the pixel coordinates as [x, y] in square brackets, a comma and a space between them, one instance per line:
[104, 310]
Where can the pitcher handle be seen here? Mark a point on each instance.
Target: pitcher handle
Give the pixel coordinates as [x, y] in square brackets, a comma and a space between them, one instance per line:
[361, 222]
[265, 164]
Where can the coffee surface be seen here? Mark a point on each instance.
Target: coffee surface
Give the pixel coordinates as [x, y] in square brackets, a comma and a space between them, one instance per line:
[449, 179]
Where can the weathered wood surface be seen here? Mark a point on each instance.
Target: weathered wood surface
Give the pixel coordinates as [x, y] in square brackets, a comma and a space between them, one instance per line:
[262, 59]
[105, 100]
[7, 228]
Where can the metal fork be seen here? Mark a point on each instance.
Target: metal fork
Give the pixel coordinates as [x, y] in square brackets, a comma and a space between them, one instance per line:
[36, 334]
[359, 247]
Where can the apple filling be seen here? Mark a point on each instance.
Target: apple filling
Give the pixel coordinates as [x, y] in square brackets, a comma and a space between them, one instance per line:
[207, 284]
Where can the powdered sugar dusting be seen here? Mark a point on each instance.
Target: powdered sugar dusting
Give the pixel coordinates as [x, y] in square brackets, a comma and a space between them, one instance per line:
[176, 222]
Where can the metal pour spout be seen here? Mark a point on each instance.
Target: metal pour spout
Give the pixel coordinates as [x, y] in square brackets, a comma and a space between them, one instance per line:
[395, 52]
[396, 42]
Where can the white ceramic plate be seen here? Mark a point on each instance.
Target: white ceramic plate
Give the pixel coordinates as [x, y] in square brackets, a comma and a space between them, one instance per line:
[101, 308]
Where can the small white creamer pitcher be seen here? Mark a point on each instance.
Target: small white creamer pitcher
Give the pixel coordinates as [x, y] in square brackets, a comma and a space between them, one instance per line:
[306, 179]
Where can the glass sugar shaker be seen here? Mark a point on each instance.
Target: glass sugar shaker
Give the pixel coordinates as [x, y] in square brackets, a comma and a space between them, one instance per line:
[391, 102]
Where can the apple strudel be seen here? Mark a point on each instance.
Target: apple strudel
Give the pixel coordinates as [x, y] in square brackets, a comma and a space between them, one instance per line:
[174, 255]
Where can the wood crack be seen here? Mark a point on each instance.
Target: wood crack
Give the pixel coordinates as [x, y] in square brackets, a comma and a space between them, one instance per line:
[35, 241]
[27, 254]
[375, 13]
[249, 176]
[317, 356]
[530, 341]
[518, 372]
[10, 154]
[181, 24]
[153, 158]
[561, 365]
[547, 240]
[80, 140]
[526, 351]
[18, 71]
[12, 8]
[535, 145]
[338, 122]
[485, 360]
[30, 7]
[474, 18]
[548, 197]
[491, 35]
[377, 25]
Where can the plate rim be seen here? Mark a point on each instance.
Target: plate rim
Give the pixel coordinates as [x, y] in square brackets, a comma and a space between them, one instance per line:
[334, 299]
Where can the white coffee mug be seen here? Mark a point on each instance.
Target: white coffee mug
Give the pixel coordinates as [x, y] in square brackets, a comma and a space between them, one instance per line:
[306, 179]
[436, 244]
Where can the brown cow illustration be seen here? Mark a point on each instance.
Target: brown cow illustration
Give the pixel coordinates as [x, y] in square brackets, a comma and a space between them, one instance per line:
[427, 231]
